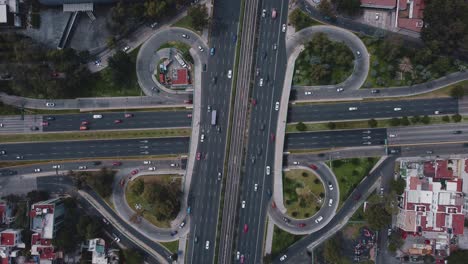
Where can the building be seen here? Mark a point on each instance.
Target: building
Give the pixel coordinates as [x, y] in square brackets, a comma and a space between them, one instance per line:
[46, 217]
[9, 13]
[62, 2]
[432, 203]
[97, 247]
[379, 4]
[5, 212]
[180, 77]
[10, 243]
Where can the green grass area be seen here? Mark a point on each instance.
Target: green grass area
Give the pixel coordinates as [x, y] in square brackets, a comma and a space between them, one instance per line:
[97, 86]
[148, 208]
[350, 172]
[180, 132]
[172, 246]
[303, 193]
[381, 123]
[281, 241]
[186, 22]
[177, 45]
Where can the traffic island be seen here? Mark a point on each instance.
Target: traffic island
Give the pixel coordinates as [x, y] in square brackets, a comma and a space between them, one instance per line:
[156, 198]
[303, 193]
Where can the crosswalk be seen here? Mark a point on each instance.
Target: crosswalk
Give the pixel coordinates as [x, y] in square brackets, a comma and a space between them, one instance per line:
[14, 124]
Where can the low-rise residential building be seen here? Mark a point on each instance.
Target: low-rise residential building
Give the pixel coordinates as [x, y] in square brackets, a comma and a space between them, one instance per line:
[97, 247]
[432, 203]
[9, 13]
[5, 212]
[10, 243]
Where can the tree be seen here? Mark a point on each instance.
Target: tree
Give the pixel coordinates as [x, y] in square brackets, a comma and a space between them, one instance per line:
[456, 118]
[331, 125]
[299, 19]
[349, 7]
[457, 92]
[267, 259]
[301, 126]
[111, 42]
[101, 181]
[155, 9]
[395, 241]
[199, 16]
[132, 256]
[405, 121]
[446, 118]
[415, 119]
[331, 250]
[326, 9]
[394, 121]
[120, 65]
[425, 120]
[376, 217]
[372, 122]
[398, 186]
[458, 257]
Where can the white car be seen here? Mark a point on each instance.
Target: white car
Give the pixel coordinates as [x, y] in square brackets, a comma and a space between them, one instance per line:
[255, 187]
[243, 204]
[185, 36]
[207, 245]
[320, 218]
[146, 162]
[261, 82]
[202, 137]
[339, 89]
[392, 135]
[126, 48]
[97, 116]
[307, 93]
[200, 48]
[264, 13]
[56, 167]
[182, 224]
[330, 202]
[436, 112]
[296, 162]
[238, 255]
[330, 186]
[277, 106]
[209, 108]
[283, 257]
[152, 168]
[358, 53]
[397, 109]
[50, 104]
[82, 167]
[352, 108]
[267, 170]
[117, 239]
[37, 170]
[283, 28]
[275, 46]
[229, 75]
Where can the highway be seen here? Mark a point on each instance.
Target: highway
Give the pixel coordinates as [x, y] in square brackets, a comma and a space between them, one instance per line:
[368, 110]
[270, 64]
[93, 148]
[428, 134]
[335, 138]
[205, 189]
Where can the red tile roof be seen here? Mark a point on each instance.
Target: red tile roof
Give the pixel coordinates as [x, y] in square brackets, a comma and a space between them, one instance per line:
[440, 220]
[7, 239]
[182, 77]
[4, 260]
[457, 224]
[46, 252]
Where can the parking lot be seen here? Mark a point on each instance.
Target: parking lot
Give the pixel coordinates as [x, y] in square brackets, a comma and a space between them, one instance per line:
[378, 18]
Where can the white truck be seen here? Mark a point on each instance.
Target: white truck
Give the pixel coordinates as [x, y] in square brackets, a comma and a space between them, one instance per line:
[213, 118]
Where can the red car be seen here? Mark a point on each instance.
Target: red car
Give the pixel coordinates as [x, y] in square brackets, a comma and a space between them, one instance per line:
[122, 182]
[84, 123]
[134, 172]
[128, 115]
[45, 123]
[254, 102]
[242, 259]
[312, 166]
[189, 115]
[198, 155]
[301, 225]
[188, 101]
[117, 121]
[116, 163]
[246, 228]
[272, 137]
[83, 128]
[273, 204]
[357, 196]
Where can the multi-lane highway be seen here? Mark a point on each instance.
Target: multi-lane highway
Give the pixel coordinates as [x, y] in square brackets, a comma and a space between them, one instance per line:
[270, 61]
[376, 109]
[205, 187]
[336, 138]
[93, 148]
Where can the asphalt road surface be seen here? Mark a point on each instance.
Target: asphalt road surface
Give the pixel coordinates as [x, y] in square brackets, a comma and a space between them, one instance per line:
[368, 110]
[336, 138]
[93, 148]
[205, 189]
[436, 134]
[140, 120]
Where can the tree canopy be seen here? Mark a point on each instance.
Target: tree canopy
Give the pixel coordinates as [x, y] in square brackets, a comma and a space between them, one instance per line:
[199, 16]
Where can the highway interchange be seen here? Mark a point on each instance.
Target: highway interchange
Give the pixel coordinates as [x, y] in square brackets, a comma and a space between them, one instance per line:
[247, 166]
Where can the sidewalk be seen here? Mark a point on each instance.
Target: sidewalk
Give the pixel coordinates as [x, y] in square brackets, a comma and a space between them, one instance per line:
[269, 236]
